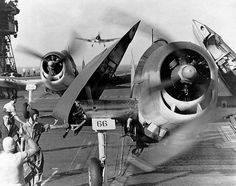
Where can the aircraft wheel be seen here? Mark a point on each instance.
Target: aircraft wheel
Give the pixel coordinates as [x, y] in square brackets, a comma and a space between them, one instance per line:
[95, 172]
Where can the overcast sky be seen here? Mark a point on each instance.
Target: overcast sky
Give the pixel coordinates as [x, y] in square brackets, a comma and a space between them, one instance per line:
[46, 25]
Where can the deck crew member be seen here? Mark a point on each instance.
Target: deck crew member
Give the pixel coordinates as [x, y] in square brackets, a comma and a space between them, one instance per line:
[11, 162]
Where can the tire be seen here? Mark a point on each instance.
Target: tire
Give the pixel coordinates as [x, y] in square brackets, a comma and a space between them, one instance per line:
[95, 172]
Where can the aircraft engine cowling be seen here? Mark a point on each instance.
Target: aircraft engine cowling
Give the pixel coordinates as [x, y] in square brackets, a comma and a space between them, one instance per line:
[58, 70]
[179, 84]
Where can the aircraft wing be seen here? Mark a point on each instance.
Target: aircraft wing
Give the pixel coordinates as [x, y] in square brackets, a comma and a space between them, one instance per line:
[94, 75]
[108, 40]
[118, 109]
[18, 83]
[223, 56]
[84, 39]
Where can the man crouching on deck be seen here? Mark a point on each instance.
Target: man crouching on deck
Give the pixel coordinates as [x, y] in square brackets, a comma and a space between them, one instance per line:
[34, 129]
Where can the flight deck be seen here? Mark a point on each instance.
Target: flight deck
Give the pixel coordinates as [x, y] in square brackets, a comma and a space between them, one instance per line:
[208, 157]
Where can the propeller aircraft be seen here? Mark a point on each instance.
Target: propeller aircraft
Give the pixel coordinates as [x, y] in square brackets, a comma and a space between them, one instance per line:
[174, 84]
[97, 39]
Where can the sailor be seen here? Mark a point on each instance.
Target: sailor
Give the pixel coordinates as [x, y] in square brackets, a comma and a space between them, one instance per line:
[134, 129]
[34, 129]
[11, 162]
[9, 128]
[10, 107]
[9, 118]
[130, 128]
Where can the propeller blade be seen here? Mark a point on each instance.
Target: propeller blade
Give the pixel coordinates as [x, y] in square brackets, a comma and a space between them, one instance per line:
[180, 141]
[75, 45]
[49, 76]
[29, 51]
[83, 64]
[154, 86]
[125, 19]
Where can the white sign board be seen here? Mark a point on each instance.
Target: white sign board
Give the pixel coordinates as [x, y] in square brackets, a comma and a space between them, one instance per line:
[30, 87]
[103, 124]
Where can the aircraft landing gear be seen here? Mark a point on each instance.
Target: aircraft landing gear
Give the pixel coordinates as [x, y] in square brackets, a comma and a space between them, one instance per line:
[95, 172]
[97, 167]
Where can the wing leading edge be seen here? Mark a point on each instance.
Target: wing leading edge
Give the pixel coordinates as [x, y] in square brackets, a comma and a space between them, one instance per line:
[83, 39]
[108, 40]
[18, 83]
[103, 65]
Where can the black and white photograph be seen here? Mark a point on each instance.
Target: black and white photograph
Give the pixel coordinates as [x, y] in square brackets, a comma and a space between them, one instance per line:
[117, 93]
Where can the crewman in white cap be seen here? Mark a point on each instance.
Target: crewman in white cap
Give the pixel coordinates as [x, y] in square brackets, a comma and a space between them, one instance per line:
[11, 161]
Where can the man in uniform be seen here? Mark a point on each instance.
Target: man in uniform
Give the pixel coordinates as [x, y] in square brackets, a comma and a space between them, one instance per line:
[34, 129]
[11, 162]
[9, 128]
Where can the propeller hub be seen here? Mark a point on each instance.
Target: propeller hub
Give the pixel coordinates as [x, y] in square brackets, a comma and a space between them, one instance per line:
[50, 63]
[188, 73]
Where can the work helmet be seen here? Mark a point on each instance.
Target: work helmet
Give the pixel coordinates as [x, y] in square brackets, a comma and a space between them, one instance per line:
[8, 144]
